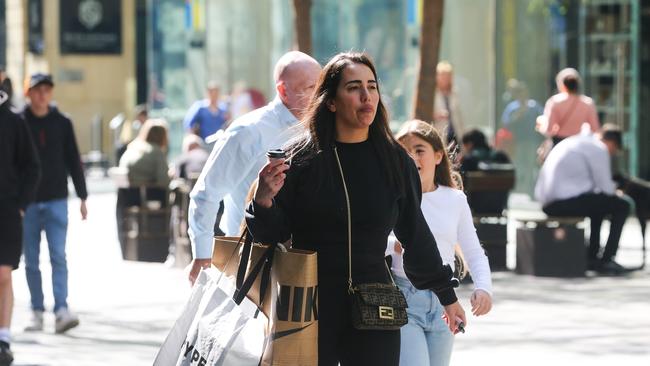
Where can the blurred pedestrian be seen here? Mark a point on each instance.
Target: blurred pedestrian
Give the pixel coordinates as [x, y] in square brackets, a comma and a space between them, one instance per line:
[426, 339]
[6, 86]
[478, 155]
[55, 141]
[240, 153]
[145, 162]
[576, 180]
[476, 150]
[349, 148]
[193, 158]
[566, 111]
[447, 116]
[130, 129]
[146, 157]
[634, 187]
[241, 101]
[518, 120]
[20, 172]
[206, 116]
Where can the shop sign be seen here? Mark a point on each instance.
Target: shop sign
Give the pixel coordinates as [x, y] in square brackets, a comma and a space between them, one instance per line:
[91, 26]
[35, 41]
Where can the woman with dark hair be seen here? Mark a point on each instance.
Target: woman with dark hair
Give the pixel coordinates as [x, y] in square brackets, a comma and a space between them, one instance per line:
[347, 153]
[145, 159]
[426, 340]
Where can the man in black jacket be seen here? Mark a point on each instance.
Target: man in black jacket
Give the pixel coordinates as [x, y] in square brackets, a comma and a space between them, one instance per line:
[19, 175]
[57, 148]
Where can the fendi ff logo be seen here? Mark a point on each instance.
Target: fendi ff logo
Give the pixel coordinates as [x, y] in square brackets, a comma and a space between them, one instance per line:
[386, 312]
[297, 304]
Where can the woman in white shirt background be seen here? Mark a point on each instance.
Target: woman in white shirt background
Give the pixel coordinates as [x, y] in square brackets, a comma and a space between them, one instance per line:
[426, 339]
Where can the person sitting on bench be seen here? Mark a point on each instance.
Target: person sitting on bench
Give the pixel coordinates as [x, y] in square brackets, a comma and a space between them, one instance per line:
[576, 180]
[635, 188]
[479, 156]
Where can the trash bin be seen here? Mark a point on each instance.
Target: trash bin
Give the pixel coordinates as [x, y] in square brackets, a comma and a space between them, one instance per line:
[143, 216]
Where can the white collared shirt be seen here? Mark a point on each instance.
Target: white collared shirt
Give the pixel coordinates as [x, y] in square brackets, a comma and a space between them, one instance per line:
[235, 161]
[577, 165]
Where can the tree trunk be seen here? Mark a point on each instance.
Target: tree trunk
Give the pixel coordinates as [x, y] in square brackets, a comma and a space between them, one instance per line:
[432, 14]
[302, 25]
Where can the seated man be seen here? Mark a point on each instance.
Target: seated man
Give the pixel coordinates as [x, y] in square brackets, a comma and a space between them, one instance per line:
[576, 180]
[479, 156]
[635, 188]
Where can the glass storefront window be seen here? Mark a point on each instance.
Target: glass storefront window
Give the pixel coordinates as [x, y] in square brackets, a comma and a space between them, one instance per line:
[377, 27]
[168, 50]
[534, 40]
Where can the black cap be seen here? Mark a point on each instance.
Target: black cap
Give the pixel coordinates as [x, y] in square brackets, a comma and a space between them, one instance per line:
[40, 78]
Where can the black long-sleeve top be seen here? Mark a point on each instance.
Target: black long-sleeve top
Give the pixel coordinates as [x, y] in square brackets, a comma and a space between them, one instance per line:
[18, 160]
[57, 148]
[312, 212]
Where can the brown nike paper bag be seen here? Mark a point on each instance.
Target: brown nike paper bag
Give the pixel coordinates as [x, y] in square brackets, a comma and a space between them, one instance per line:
[290, 302]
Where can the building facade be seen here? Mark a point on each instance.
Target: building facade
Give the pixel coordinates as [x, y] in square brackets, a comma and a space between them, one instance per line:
[89, 48]
[169, 49]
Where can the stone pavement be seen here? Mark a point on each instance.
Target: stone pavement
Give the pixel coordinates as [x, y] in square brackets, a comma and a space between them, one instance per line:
[127, 308]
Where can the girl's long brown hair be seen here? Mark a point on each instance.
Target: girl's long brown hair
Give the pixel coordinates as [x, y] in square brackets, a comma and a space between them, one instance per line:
[428, 133]
[444, 175]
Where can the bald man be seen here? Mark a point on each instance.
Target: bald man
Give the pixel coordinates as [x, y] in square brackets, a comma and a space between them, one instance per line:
[240, 153]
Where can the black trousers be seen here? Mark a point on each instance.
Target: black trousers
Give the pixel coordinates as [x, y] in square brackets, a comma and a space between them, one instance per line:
[639, 191]
[596, 206]
[11, 233]
[339, 341]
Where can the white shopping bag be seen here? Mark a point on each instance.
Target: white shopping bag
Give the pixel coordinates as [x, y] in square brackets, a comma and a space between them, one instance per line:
[215, 330]
[169, 351]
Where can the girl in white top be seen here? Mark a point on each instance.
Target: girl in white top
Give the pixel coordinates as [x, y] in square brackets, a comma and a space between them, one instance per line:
[426, 339]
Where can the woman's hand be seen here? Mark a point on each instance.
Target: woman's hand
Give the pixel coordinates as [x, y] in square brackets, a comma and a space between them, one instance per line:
[270, 181]
[481, 302]
[454, 311]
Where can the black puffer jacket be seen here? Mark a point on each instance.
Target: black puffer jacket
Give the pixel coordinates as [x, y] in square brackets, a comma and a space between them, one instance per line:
[19, 164]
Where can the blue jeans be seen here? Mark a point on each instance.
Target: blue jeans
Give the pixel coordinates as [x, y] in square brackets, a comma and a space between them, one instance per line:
[426, 339]
[51, 216]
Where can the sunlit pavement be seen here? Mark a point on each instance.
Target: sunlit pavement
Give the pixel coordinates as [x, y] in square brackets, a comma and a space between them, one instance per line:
[126, 308]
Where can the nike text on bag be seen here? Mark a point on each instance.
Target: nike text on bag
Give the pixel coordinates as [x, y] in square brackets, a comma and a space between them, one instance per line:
[290, 300]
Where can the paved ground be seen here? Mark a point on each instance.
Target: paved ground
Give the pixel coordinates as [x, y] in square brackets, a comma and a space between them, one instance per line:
[127, 308]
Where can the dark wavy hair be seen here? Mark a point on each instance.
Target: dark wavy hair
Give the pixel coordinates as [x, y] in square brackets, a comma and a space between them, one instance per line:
[320, 133]
[476, 138]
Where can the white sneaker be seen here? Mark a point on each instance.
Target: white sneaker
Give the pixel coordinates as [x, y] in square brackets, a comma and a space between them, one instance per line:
[65, 320]
[35, 322]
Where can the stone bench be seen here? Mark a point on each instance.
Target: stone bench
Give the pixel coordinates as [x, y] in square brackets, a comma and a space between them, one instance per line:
[492, 232]
[551, 246]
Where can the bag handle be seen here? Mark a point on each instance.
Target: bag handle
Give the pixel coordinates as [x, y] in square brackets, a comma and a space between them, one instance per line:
[245, 256]
[347, 203]
[263, 266]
